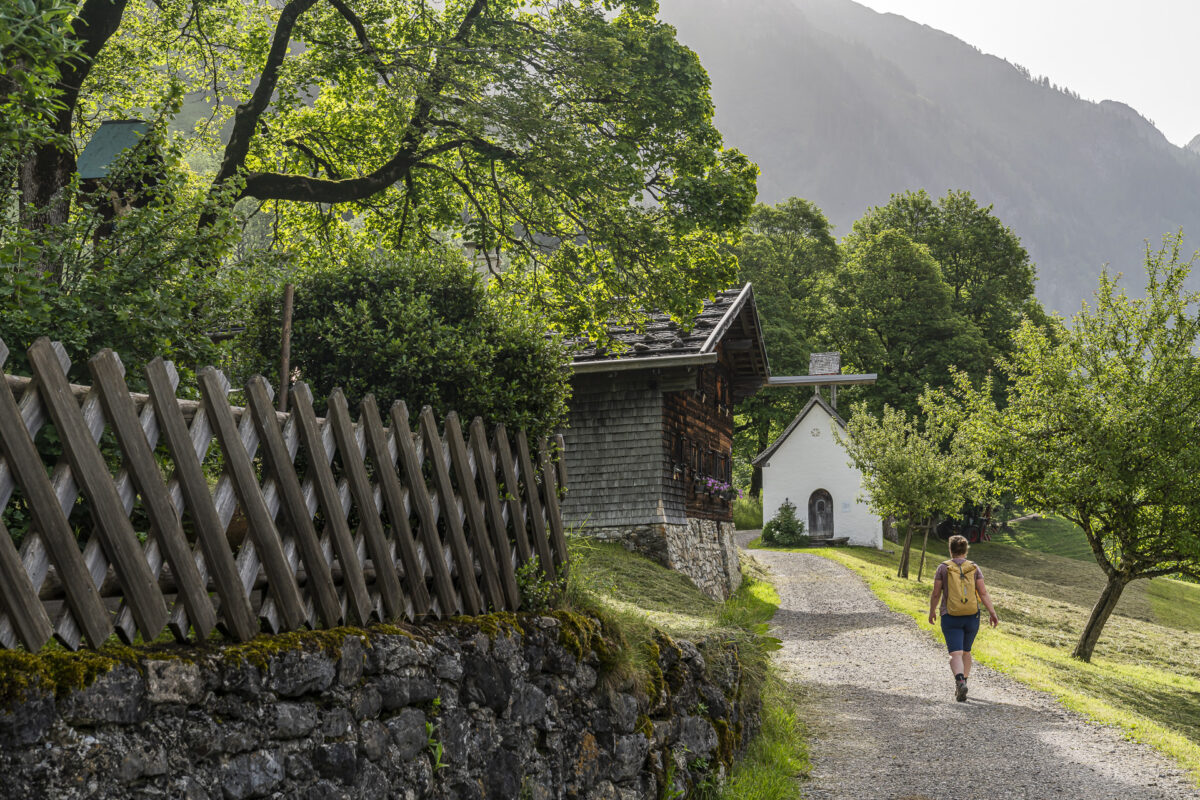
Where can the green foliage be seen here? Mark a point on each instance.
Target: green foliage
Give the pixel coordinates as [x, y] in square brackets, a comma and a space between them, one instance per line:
[747, 513]
[1097, 427]
[130, 284]
[538, 592]
[32, 45]
[915, 469]
[896, 317]
[424, 329]
[778, 757]
[435, 746]
[785, 529]
[788, 252]
[570, 145]
[982, 261]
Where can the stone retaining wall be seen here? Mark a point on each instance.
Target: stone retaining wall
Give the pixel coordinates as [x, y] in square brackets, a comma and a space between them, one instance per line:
[702, 549]
[500, 707]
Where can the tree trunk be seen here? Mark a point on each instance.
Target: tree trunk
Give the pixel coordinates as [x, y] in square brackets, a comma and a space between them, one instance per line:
[924, 547]
[1100, 614]
[756, 481]
[44, 203]
[903, 571]
[46, 172]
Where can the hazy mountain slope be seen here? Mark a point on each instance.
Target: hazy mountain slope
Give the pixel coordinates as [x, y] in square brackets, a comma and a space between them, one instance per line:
[844, 106]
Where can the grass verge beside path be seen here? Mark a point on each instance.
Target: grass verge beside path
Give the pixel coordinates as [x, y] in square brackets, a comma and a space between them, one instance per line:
[1145, 678]
[778, 756]
[638, 595]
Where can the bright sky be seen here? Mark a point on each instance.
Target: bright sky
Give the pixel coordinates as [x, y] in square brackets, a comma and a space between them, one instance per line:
[1140, 52]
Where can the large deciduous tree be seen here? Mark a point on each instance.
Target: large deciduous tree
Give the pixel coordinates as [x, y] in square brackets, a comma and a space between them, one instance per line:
[788, 252]
[983, 262]
[895, 316]
[1101, 427]
[573, 140]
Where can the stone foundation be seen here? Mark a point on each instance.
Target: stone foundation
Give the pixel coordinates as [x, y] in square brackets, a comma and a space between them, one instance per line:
[702, 549]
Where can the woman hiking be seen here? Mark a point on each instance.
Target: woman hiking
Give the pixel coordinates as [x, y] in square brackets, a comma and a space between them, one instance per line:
[958, 584]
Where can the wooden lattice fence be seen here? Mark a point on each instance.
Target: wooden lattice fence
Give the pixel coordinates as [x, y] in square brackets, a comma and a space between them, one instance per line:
[344, 522]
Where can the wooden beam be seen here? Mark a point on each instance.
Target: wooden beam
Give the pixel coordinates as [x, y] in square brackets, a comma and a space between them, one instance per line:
[821, 380]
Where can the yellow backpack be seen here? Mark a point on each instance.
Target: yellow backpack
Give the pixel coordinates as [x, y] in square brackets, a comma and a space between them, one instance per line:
[961, 597]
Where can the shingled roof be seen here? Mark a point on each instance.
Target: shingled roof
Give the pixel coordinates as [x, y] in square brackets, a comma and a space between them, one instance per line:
[730, 318]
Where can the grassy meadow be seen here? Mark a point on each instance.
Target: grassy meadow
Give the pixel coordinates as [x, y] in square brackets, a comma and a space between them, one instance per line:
[1145, 674]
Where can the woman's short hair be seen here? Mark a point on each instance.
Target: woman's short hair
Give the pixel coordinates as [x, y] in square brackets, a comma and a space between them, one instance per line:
[958, 545]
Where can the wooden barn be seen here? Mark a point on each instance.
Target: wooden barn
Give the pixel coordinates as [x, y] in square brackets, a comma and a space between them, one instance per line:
[650, 437]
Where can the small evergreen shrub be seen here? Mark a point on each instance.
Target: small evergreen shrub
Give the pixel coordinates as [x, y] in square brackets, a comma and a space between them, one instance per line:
[785, 529]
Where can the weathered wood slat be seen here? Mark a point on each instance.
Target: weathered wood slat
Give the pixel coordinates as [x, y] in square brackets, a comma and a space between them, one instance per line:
[293, 504]
[118, 408]
[273, 501]
[541, 542]
[33, 550]
[22, 456]
[27, 615]
[364, 499]
[125, 625]
[408, 508]
[33, 414]
[184, 447]
[393, 495]
[267, 542]
[330, 502]
[25, 612]
[512, 494]
[34, 559]
[558, 539]
[414, 478]
[463, 559]
[225, 498]
[484, 468]
[471, 511]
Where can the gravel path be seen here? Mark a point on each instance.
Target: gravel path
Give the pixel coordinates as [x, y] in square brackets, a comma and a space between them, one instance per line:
[881, 710]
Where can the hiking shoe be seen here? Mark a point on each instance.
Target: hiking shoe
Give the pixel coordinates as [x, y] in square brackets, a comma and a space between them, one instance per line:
[960, 692]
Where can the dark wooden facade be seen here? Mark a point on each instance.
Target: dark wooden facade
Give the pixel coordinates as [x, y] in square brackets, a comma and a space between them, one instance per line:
[652, 424]
[698, 442]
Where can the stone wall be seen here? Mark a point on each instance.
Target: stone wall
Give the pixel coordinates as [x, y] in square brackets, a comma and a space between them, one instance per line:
[500, 707]
[702, 549]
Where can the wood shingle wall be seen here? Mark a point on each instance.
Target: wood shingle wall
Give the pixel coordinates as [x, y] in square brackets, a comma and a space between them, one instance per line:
[614, 452]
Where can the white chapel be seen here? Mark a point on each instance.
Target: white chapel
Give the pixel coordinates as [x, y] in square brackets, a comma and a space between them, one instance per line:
[809, 467]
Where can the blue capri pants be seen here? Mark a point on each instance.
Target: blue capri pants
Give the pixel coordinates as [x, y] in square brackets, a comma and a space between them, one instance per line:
[960, 631]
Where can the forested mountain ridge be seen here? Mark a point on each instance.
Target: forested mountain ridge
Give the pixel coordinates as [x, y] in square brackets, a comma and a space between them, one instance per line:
[844, 106]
